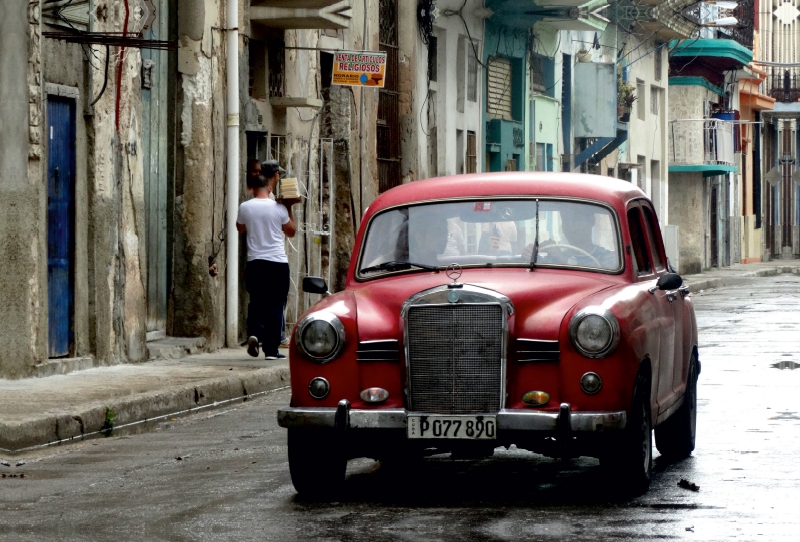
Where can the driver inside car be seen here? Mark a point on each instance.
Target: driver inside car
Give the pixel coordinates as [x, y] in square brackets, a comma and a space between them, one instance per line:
[576, 247]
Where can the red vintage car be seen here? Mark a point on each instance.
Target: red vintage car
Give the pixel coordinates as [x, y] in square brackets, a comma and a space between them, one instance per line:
[535, 309]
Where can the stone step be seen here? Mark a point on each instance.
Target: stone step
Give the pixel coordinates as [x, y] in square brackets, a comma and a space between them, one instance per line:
[176, 347]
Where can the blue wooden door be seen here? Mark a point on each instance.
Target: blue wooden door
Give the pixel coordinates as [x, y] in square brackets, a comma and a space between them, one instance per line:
[60, 223]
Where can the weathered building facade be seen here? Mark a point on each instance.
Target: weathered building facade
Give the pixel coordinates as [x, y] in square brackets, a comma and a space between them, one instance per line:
[116, 140]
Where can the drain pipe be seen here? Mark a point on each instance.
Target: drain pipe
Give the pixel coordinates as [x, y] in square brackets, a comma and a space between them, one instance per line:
[231, 235]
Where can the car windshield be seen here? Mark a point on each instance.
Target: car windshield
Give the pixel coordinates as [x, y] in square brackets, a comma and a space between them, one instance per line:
[492, 232]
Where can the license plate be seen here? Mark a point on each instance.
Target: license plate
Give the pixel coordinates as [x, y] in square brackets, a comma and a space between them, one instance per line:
[459, 427]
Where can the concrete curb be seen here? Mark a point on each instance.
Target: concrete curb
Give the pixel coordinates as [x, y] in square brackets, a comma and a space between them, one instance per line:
[48, 428]
[700, 283]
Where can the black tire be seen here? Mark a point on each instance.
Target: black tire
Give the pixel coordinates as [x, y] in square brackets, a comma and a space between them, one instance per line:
[629, 462]
[317, 463]
[675, 438]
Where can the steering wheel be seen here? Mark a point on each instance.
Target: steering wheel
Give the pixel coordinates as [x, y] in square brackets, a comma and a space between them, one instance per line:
[576, 249]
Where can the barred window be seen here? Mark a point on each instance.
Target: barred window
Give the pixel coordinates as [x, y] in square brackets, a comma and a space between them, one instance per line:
[472, 72]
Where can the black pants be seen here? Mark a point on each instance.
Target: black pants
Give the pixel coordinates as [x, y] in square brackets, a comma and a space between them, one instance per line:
[268, 285]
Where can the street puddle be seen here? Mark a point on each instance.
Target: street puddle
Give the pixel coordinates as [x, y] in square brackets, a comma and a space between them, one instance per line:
[786, 365]
[786, 416]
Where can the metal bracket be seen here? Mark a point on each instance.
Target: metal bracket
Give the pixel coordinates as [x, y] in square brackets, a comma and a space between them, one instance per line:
[342, 418]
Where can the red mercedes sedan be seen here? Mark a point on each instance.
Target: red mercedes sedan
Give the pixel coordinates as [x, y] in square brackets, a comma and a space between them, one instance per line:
[480, 311]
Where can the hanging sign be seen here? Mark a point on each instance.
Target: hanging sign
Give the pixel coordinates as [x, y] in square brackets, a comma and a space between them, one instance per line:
[359, 68]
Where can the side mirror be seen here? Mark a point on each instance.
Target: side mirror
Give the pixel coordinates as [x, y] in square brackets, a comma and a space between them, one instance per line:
[669, 281]
[315, 285]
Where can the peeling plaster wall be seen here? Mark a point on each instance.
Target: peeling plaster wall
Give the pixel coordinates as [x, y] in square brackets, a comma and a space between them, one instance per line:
[116, 249]
[20, 119]
[197, 300]
[687, 212]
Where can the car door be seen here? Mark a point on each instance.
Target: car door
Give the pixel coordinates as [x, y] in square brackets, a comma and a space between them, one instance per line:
[662, 314]
[676, 299]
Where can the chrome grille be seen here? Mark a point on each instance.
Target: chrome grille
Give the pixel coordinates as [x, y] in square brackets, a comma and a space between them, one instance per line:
[455, 358]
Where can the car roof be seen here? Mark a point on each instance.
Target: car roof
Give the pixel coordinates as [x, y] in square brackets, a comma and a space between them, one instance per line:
[512, 183]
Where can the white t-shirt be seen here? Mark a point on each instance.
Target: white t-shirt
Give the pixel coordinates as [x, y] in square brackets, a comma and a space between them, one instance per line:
[264, 220]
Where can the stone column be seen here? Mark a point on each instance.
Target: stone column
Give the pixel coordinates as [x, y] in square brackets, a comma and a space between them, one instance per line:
[19, 209]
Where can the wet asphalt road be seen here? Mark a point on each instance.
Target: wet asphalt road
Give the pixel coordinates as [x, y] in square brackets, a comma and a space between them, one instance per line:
[232, 480]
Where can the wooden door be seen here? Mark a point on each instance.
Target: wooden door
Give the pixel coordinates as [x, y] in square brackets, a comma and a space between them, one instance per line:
[155, 131]
[60, 224]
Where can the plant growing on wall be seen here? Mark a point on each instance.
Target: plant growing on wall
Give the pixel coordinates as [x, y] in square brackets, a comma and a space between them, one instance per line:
[626, 93]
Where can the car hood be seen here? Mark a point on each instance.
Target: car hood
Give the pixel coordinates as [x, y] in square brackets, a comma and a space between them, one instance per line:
[541, 298]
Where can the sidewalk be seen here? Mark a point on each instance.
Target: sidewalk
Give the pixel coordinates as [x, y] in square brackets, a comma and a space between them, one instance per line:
[38, 411]
[735, 274]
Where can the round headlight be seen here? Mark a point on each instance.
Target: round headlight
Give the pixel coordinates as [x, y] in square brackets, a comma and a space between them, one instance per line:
[594, 332]
[320, 336]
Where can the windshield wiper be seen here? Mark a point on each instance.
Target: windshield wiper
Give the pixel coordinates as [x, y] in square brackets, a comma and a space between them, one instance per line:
[395, 265]
[535, 241]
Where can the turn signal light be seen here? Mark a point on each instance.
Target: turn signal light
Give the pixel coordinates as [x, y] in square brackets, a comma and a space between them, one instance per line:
[536, 398]
[319, 388]
[591, 383]
[374, 395]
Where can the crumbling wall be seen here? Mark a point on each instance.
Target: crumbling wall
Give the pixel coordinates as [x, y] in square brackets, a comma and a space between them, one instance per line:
[20, 120]
[116, 253]
[197, 302]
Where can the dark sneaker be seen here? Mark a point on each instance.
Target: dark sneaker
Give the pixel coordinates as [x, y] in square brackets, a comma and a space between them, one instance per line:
[276, 356]
[252, 346]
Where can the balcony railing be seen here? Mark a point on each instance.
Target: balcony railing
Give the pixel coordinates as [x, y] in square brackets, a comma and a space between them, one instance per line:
[784, 84]
[701, 142]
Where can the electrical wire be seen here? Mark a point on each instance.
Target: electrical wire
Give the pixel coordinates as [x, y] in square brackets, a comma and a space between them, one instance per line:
[105, 77]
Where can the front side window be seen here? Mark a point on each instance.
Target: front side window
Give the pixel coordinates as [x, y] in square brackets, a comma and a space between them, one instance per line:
[492, 232]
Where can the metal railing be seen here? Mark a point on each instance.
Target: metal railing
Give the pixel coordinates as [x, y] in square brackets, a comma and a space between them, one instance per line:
[783, 84]
[701, 141]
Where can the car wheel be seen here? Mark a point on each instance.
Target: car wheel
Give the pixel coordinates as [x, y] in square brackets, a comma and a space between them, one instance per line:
[630, 461]
[675, 438]
[316, 462]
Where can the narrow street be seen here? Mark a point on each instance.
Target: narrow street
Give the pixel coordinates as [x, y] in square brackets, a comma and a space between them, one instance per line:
[223, 475]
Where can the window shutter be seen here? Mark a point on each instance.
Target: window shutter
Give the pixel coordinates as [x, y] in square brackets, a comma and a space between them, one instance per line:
[498, 105]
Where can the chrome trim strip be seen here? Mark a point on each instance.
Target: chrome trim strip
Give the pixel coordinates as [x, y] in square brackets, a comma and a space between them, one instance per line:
[396, 418]
[378, 341]
[540, 359]
[378, 350]
[534, 350]
[479, 295]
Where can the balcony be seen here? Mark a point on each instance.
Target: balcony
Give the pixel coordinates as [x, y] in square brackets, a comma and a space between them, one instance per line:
[702, 145]
[784, 84]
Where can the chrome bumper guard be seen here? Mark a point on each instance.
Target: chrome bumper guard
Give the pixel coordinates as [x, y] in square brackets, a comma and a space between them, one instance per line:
[396, 418]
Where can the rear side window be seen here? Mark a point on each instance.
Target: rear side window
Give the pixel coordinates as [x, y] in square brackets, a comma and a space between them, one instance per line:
[653, 237]
[641, 262]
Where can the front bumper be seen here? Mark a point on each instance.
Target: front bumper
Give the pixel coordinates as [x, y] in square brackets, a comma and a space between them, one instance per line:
[343, 418]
